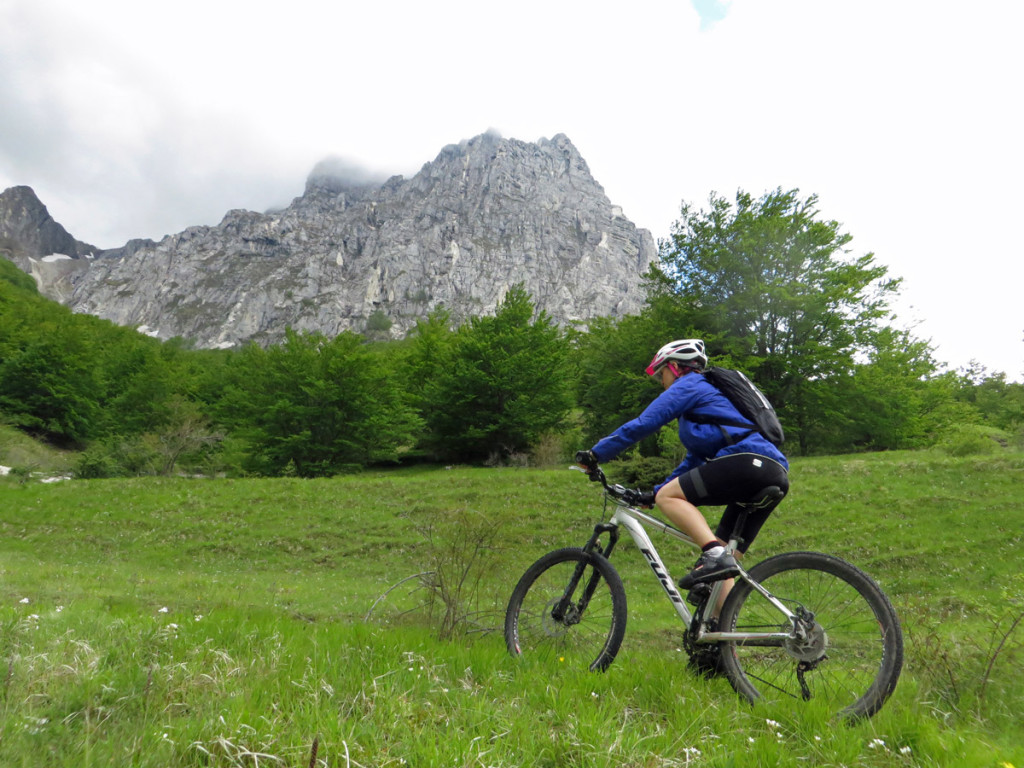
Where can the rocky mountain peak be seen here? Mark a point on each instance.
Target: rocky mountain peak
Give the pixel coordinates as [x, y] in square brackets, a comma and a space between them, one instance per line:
[28, 231]
[355, 252]
[336, 176]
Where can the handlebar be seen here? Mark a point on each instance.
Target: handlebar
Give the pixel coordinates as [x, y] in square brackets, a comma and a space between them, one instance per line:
[630, 496]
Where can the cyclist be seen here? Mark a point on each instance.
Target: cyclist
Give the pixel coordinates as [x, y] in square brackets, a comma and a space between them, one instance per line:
[723, 464]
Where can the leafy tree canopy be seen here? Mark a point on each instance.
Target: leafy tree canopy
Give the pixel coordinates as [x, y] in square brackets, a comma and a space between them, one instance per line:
[779, 292]
[315, 406]
[498, 384]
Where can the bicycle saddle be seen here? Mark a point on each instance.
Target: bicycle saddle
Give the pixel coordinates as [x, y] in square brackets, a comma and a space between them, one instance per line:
[765, 497]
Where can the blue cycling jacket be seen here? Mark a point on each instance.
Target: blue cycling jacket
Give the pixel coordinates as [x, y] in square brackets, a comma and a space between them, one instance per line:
[690, 394]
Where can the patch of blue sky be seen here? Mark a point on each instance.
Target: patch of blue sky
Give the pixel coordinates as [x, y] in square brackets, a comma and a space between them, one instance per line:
[711, 11]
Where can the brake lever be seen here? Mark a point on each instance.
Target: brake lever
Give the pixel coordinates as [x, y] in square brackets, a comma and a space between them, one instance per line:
[595, 475]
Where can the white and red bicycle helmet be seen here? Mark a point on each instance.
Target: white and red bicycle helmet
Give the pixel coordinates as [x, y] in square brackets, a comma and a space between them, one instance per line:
[689, 352]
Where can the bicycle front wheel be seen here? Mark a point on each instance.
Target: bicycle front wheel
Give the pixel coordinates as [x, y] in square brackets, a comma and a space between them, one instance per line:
[849, 656]
[568, 608]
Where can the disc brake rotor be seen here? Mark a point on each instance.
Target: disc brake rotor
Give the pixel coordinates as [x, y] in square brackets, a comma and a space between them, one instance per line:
[557, 627]
[811, 647]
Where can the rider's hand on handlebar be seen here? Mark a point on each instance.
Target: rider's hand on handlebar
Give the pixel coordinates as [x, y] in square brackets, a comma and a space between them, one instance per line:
[587, 460]
[638, 498]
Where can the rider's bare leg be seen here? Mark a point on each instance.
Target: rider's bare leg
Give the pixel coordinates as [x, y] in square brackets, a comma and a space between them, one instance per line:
[685, 516]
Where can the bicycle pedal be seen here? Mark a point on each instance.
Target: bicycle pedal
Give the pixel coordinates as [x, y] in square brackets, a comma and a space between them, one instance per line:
[698, 594]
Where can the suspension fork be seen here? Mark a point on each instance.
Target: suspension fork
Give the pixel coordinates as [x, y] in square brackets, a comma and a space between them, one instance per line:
[594, 545]
[562, 610]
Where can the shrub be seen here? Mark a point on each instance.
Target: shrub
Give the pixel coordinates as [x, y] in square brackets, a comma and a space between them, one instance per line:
[94, 462]
[378, 321]
[556, 448]
[118, 457]
[640, 471]
[447, 591]
[973, 440]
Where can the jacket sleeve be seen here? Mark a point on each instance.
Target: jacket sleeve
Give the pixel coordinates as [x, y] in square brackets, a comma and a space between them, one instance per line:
[664, 409]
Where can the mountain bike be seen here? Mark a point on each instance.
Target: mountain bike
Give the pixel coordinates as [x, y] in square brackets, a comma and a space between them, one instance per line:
[800, 625]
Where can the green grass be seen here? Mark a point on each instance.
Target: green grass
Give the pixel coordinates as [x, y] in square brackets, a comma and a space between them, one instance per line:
[220, 623]
[25, 455]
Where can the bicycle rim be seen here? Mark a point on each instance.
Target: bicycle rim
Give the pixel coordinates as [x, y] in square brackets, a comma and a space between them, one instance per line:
[569, 609]
[850, 662]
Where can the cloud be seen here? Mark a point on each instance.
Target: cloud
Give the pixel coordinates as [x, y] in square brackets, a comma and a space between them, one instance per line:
[113, 149]
[132, 119]
[339, 174]
[140, 120]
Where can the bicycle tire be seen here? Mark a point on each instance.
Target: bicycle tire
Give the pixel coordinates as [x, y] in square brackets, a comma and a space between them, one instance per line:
[591, 635]
[854, 665]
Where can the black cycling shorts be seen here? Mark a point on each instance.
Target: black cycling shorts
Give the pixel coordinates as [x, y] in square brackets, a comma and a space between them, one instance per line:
[738, 477]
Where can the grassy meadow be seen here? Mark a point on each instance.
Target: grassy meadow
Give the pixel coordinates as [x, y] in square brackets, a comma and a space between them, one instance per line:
[223, 622]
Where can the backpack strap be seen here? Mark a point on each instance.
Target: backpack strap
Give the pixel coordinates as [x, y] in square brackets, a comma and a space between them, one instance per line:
[699, 418]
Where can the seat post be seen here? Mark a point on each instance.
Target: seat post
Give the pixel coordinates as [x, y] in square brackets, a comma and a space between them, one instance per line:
[768, 496]
[736, 539]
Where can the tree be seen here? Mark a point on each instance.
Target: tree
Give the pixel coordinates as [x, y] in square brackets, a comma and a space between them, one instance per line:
[74, 378]
[430, 350]
[779, 291]
[186, 431]
[316, 405]
[610, 361]
[891, 400]
[503, 382]
[999, 403]
[138, 382]
[48, 384]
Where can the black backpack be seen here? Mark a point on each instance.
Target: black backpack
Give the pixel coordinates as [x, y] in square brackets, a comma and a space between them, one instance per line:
[748, 400]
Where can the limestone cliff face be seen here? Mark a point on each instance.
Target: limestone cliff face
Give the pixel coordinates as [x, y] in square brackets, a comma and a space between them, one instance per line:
[31, 238]
[354, 255]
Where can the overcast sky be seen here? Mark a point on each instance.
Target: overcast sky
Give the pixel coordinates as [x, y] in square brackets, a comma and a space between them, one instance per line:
[137, 119]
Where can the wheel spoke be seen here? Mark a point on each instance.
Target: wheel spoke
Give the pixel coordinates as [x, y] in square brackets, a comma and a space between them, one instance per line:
[587, 638]
[852, 651]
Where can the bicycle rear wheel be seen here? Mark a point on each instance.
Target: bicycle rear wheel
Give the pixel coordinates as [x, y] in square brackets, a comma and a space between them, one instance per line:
[852, 654]
[569, 607]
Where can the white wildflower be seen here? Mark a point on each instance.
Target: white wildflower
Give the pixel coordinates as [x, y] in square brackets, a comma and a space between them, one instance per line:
[165, 609]
[24, 601]
[904, 750]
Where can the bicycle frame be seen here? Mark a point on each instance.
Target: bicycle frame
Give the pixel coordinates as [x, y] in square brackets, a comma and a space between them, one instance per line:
[636, 522]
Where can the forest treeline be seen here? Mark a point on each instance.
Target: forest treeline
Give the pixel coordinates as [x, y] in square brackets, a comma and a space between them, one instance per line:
[771, 288]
